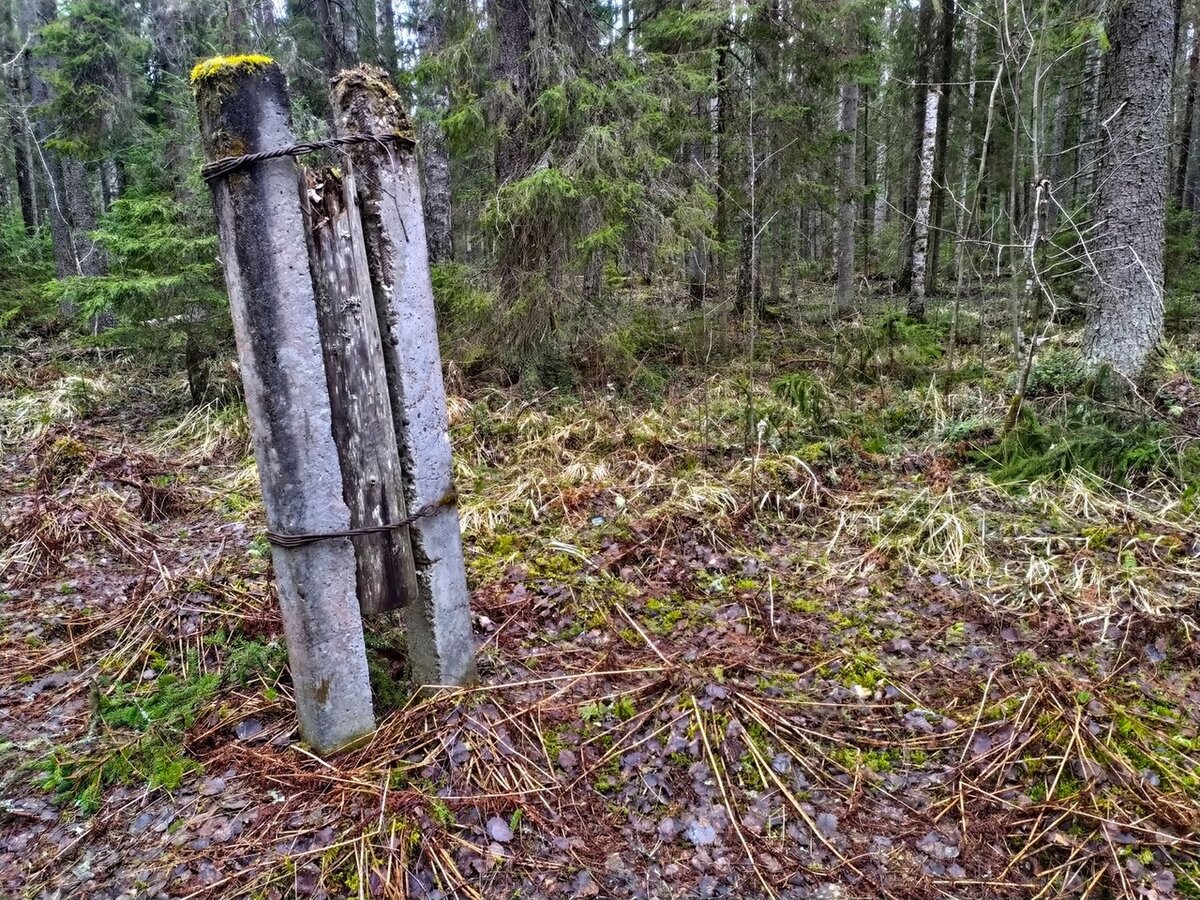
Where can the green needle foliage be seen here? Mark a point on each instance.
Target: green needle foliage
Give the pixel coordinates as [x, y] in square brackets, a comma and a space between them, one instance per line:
[163, 285]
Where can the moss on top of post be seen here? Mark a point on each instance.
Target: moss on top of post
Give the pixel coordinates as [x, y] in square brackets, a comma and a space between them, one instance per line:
[228, 65]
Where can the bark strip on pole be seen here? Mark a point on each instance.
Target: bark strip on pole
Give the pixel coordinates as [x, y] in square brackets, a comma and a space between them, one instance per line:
[244, 108]
[439, 625]
[373, 486]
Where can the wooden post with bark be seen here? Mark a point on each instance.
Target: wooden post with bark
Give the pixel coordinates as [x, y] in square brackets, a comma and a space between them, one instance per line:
[318, 344]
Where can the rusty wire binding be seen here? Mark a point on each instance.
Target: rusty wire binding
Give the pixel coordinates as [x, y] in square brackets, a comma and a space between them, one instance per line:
[300, 540]
[220, 167]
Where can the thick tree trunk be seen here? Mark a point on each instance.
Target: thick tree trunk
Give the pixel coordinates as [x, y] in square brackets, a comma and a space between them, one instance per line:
[171, 58]
[385, 31]
[1125, 313]
[513, 24]
[435, 154]
[848, 177]
[748, 286]
[338, 25]
[916, 296]
[23, 169]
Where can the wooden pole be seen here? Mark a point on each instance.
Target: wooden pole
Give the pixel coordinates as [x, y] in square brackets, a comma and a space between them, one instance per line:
[439, 624]
[363, 430]
[244, 109]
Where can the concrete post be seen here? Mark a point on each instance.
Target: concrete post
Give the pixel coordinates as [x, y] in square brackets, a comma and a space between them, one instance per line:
[244, 108]
[439, 624]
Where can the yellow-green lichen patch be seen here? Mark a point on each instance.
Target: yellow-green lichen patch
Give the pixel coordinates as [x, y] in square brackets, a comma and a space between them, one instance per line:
[229, 65]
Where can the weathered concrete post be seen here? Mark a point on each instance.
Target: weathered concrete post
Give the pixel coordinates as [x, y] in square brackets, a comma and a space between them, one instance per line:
[439, 624]
[244, 109]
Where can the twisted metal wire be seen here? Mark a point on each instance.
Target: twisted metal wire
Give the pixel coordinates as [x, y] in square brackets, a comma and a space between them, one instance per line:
[221, 167]
[300, 540]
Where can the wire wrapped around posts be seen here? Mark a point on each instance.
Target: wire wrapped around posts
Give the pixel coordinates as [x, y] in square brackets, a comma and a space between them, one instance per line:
[299, 540]
[218, 168]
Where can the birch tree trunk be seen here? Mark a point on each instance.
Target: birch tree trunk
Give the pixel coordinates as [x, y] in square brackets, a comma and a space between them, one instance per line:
[945, 77]
[916, 297]
[721, 150]
[848, 175]
[924, 51]
[1125, 314]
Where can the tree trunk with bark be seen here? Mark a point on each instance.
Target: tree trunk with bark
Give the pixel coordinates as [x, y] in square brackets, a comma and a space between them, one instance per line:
[385, 32]
[847, 203]
[917, 292]
[69, 185]
[513, 24]
[926, 28]
[1185, 131]
[435, 154]
[879, 219]
[1125, 314]
[1085, 181]
[1056, 164]
[19, 128]
[724, 90]
[940, 156]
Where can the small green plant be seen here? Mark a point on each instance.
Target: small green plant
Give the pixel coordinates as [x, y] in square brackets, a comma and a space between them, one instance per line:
[442, 814]
[805, 393]
[254, 660]
[147, 724]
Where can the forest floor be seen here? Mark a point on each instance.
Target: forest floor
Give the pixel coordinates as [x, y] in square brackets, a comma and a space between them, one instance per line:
[733, 643]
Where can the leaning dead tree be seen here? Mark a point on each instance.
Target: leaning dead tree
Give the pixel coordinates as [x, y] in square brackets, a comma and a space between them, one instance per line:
[328, 281]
